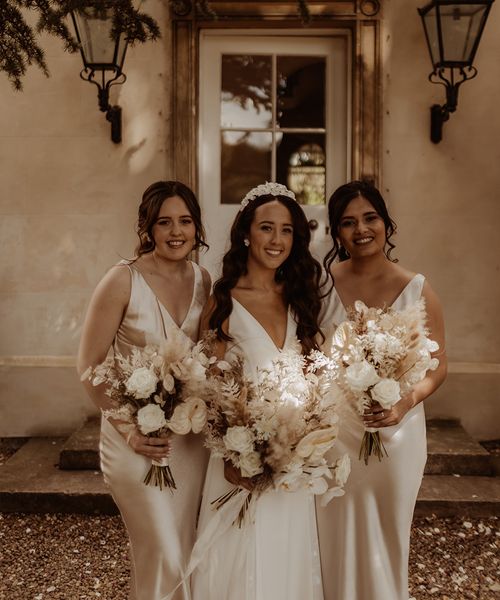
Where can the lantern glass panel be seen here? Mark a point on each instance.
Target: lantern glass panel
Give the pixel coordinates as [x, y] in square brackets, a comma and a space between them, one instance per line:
[460, 25]
[98, 47]
[431, 30]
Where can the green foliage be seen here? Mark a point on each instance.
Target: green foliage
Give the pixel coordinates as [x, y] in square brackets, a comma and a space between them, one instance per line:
[19, 45]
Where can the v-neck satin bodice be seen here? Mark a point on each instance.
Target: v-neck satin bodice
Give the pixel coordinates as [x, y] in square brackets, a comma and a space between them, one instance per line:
[252, 340]
[334, 312]
[146, 320]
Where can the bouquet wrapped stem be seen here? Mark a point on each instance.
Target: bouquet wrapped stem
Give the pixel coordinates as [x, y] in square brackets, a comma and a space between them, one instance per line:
[372, 444]
[160, 475]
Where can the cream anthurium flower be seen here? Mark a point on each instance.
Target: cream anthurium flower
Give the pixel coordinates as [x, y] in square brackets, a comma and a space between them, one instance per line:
[150, 418]
[142, 383]
[190, 415]
[318, 485]
[333, 492]
[314, 445]
[342, 470]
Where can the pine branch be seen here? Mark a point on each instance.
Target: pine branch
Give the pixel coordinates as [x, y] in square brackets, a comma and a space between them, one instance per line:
[19, 42]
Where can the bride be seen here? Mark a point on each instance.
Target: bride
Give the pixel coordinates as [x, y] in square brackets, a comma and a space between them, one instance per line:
[267, 296]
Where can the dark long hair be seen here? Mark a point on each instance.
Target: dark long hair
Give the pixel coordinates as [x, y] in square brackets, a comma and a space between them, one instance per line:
[337, 204]
[152, 200]
[300, 273]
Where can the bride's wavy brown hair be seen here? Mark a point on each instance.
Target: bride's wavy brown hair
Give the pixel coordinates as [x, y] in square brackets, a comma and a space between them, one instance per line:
[300, 273]
[337, 204]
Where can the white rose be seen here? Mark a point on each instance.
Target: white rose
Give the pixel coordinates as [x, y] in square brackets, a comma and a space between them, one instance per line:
[190, 415]
[240, 439]
[361, 375]
[142, 383]
[342, 470]
[250, 464]
[150, 418]
[386, 392]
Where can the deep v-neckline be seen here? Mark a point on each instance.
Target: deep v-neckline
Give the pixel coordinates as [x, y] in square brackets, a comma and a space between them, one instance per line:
[390, 305]
[264, 329]
[162, 307]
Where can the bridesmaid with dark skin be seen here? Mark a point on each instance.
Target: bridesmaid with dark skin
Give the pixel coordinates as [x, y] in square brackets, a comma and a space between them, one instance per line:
[364, 535]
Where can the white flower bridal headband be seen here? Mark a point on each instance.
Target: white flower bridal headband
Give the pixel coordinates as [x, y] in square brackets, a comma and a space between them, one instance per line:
[265, 189]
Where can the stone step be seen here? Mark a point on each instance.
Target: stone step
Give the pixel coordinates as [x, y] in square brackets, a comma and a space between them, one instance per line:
[452, 451]
[450, 496]
[31, 481]
[81, 449]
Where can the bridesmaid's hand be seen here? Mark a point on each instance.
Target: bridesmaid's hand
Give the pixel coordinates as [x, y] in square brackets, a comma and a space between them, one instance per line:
[376, 416]
[152, 447]
[234, 476]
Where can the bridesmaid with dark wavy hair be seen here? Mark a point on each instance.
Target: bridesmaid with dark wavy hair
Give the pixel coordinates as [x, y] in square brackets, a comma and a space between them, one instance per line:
[365, 534]
[267, 298]
[137, 303]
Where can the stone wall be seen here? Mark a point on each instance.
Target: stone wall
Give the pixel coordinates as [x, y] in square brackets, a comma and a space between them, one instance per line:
[69, 197]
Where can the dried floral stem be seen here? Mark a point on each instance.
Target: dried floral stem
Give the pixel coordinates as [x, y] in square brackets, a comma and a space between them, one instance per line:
[160, 476]
[372, 444]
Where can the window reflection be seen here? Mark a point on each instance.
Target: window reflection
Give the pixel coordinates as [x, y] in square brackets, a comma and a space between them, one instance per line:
[301, 166]
[245, 163]
[246, 91]
[301, 91]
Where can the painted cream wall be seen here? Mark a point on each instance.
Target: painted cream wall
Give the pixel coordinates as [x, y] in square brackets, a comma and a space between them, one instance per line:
[445, 199]
[68, 204]
[69, 195]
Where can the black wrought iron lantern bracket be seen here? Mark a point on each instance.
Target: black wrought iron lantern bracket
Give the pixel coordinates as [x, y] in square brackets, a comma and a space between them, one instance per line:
[441, 112]
[113, 113]
[453, 29]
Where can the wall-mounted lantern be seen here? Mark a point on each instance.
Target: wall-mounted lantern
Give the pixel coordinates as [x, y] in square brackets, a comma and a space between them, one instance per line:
[453, 30]
[103, 57]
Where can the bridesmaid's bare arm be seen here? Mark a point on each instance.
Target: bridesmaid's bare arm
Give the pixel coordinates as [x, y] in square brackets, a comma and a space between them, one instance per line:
[105, 313]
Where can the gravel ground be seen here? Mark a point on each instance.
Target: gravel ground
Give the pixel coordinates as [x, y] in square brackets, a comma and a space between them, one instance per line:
[76, 557]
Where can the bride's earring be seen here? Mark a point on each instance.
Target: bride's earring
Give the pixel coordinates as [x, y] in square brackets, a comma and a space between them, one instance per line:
[246, 242]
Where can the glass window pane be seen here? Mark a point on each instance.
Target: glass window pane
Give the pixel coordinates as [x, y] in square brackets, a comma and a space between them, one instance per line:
[246, 99]
[301, 91]
[460, 25]
[301, 165]
[245, 163]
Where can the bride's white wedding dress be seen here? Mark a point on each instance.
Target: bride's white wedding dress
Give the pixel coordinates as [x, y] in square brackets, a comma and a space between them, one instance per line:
[275, 556]
[365, 534]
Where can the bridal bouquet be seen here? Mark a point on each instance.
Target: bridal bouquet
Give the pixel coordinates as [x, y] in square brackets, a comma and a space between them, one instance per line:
[380, 356]
[277, 429]
[157, 389]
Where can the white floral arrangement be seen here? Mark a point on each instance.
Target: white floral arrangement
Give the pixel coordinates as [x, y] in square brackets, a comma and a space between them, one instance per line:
[265, 189]
[278, 430]
[157, 389]
[380, 355]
